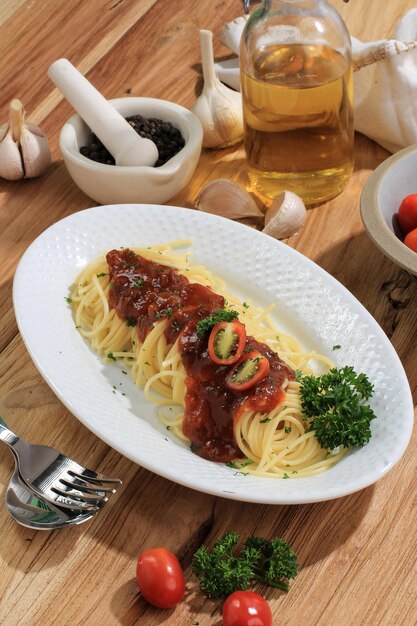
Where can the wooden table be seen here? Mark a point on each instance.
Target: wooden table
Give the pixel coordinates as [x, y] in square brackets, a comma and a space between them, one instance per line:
[357, 552]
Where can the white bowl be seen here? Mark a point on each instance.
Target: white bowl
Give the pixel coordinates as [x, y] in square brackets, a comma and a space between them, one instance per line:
[110, 184]
[394, 179]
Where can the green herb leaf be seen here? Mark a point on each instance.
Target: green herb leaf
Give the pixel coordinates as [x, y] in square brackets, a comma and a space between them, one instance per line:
[102, 274]
[223, 570]
[335, 406]
[110, 356]
[337, 347]
[130, 322]
[68, 299]
[138, 283]
[219, 315]
[266, 420]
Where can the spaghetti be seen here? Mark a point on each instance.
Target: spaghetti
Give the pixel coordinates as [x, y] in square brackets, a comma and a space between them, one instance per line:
[142, 306]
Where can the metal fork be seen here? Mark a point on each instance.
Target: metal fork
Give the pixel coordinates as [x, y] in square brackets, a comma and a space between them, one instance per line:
[55, 477]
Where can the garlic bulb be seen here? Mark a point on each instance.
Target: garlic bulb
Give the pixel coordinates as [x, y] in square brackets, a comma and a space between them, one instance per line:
[218, 108]
[24, 149]
[226, 198]
[285, 216]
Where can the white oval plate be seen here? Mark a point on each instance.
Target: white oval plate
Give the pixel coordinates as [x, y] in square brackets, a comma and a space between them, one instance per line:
[310, 304]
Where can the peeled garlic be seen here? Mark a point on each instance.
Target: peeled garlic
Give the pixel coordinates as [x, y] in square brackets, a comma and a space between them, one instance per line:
[285, 216]
[24, 149]
[218, 108]
[228, 199]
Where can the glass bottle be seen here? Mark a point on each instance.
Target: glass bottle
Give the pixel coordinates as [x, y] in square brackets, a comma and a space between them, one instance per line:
[297, 92]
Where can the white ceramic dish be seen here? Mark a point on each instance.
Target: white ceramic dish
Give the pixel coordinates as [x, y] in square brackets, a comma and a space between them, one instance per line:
[110, 183]
[394, 179]
[310, 304]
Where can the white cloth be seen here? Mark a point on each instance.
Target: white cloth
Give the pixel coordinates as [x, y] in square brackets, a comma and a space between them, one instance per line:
[385, 82]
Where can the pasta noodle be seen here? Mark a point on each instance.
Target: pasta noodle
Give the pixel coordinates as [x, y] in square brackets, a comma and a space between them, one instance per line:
[274, 444]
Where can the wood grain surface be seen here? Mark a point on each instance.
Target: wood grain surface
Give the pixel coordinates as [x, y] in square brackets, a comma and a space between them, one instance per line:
[357, 553]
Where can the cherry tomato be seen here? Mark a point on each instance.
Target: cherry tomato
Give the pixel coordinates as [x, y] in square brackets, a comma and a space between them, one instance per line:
[407, 213]
[160, 578]
[226, 342]
[411, 240]
[250, 369]
[246, 608]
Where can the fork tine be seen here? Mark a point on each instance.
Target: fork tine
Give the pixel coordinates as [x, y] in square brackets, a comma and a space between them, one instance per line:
[66, 502]
[84, 486]
[95, 478]
[80, 497]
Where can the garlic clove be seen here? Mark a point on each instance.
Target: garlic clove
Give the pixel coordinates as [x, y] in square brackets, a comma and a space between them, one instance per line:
[231, 33]
[11, 167]
[4, 129]
[218, 108]
[285, 216]
[24, 149]
[228, 199]
[35, 151]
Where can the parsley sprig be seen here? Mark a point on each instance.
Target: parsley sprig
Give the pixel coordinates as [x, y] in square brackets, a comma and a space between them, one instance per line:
[222, 570]
[218, 315]
[335, 406]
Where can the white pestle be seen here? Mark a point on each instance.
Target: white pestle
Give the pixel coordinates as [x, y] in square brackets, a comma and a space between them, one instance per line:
[120, 139]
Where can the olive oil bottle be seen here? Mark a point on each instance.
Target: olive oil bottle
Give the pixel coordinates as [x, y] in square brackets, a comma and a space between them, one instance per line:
[297, 94]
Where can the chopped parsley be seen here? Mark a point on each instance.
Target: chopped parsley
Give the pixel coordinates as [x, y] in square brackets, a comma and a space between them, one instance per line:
[239, 466]
[298, 375]
[130, 322]
[285, 476]
[218, 315]
[110, 356]
[336, 409]
[175, 325]
[337, 347]
[287, 429]
[101, 275]
[68, 299]
[138, 283]
[266, 420]
[167, 312]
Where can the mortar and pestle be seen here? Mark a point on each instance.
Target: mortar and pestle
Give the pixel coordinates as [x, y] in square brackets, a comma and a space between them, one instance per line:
[133, 179]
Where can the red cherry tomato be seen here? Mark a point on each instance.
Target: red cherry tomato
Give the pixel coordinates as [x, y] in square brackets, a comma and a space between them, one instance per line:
[407, 213]
[411, 240]
[226, 342]
[251, 368]
[246, 608]
[160, 578]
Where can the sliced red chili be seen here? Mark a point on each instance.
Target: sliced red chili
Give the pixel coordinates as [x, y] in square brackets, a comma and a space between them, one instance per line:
[251, 368]
[226, 342]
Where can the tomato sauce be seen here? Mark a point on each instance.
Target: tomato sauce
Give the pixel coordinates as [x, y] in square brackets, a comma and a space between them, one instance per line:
[143, 292]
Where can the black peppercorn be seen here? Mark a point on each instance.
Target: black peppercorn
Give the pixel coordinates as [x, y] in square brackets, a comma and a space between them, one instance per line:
[165, 136]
